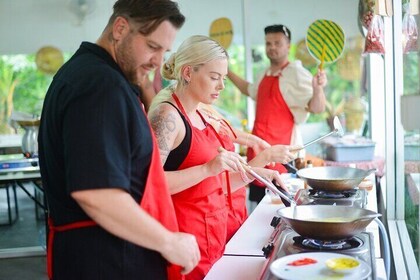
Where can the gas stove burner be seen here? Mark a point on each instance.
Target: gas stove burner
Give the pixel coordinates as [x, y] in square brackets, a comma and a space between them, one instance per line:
[332, 195]
[351, 243]
[353, 197]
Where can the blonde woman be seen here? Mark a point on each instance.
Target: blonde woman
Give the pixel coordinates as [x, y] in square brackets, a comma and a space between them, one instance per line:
[198, 172]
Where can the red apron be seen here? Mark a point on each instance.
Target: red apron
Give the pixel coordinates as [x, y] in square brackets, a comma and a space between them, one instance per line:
[201, 209]
[274, 121]
[156, 201]
[237, 212]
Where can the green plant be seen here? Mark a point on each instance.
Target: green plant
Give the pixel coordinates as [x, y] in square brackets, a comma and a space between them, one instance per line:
[22, 87]
[31, 90]
[8, 83]
[411, 73]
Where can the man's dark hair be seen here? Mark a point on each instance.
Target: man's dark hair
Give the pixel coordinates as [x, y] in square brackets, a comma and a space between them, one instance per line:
[148, 14]
[276, 28]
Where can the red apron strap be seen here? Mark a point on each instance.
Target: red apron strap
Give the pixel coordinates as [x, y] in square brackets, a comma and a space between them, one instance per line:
[157, 200]
[228, 186]
[51, 232]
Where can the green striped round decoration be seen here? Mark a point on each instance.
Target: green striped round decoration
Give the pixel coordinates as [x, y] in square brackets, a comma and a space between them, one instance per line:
[326, 33]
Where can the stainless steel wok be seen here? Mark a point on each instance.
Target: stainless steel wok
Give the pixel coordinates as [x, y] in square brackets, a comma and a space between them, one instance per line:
[333, 178]
[327, 222]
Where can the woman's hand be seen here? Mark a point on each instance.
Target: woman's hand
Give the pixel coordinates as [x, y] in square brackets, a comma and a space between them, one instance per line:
[225, 161]
[256, 143]
[281, 153]
[271, 175]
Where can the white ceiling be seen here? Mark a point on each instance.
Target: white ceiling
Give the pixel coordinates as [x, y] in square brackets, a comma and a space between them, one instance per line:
[27, 25]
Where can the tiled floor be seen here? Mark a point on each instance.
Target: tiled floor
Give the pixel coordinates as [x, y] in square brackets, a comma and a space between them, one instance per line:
[26, 232]
[31, 268]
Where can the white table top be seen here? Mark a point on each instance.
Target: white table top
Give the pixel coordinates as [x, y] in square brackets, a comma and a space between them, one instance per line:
[9, 176]
[10, 140]
[236, 268]
[254, 233]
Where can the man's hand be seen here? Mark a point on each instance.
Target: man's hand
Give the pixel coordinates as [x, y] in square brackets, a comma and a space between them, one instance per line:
[317, 103]
[182, 249]
[319, 80]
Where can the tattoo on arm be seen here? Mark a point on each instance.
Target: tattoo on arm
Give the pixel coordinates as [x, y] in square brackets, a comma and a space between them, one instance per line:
[164, 126]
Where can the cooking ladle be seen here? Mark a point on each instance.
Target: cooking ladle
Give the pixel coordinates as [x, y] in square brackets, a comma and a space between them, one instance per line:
[338, 129]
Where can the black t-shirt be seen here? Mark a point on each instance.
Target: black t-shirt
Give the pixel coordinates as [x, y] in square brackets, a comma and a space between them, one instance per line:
[93, 135]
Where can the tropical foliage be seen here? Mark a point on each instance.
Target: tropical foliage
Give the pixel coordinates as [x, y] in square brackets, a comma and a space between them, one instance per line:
[22, 88]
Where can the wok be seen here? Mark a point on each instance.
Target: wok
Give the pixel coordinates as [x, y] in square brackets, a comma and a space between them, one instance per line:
[327, 222]
[333, 178]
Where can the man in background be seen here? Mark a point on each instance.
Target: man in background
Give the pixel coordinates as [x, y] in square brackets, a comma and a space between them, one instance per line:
[285, 94]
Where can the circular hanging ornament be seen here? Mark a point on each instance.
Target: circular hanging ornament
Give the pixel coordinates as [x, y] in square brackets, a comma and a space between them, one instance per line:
[49, 59]
[221, 31]
[303, 55]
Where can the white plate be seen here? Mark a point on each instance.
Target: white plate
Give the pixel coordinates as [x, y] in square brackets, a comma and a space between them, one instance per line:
[316, 271]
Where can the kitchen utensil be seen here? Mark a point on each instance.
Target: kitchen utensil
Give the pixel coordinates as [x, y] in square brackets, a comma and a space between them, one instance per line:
[281, 267]
[30, 137]
[333, 178]
[338, 129]
[327, 222]
[266, 182]
[325, 41]
[269, 185]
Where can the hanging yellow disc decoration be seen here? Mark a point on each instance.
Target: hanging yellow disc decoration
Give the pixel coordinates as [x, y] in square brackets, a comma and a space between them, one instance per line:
[49, 59]
[221, 31]
[325, 41]
[303, 55]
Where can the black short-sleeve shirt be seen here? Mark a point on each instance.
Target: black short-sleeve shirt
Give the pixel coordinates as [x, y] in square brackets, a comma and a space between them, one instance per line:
[93, 135]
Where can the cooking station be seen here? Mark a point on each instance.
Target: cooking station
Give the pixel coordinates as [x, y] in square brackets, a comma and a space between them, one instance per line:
[284, 241]
[264, 238]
